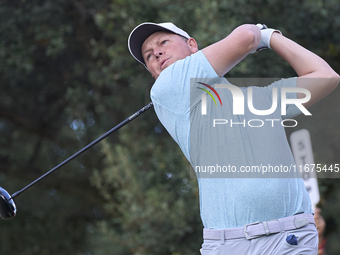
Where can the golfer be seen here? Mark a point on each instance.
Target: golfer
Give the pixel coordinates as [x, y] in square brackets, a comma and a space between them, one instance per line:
[240, 215]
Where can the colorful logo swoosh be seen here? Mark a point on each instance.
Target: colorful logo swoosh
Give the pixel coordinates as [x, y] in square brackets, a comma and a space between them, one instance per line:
[209, 93]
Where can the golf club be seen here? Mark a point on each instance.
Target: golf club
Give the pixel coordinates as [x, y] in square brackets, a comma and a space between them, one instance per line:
[7, 206]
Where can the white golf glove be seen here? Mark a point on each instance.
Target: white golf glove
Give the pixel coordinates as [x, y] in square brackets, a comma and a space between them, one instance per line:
[266, 34]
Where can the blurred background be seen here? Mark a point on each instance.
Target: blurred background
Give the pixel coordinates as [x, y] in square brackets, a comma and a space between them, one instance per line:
[66, 77]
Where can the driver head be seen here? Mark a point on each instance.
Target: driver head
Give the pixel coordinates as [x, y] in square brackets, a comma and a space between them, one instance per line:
[8, 209]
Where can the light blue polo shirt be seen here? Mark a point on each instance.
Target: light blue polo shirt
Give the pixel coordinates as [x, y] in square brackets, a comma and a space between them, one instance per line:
[226, 201]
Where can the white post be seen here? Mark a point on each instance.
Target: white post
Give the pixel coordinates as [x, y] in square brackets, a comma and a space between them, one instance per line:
[303, 153]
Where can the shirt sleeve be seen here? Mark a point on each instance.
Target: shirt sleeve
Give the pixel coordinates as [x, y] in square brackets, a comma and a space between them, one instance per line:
[172, 94]
[173, 88]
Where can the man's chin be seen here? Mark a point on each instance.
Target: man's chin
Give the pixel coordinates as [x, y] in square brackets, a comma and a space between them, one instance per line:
[166, 65]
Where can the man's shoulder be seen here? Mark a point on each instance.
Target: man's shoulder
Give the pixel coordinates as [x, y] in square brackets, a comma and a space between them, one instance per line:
[193, 66]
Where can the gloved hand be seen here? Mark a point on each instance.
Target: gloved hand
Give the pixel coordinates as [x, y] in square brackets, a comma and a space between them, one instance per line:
[266, 34]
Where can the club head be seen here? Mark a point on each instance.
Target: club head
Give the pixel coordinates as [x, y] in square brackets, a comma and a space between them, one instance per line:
[8, 209]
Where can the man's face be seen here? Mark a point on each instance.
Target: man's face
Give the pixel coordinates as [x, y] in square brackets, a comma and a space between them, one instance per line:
[162, 49]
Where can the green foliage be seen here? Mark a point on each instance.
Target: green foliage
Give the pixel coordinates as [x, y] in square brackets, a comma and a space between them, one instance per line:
[152, 197]
[67, 77]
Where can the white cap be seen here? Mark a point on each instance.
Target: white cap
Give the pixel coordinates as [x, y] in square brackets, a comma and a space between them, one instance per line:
[143, 31]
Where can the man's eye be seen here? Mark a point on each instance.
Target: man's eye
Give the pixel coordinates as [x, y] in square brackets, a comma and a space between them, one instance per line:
[165, 41]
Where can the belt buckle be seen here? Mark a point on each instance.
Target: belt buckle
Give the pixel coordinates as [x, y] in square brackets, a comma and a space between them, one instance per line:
[246, 233]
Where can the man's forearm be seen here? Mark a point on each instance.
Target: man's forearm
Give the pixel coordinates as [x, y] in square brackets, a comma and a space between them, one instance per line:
[303, 61]
[314, 73]
[225, 54]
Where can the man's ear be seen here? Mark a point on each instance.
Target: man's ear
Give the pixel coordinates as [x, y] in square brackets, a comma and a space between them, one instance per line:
[193, 45]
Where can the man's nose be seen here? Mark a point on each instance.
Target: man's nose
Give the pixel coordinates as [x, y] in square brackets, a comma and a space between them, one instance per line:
[158, 53]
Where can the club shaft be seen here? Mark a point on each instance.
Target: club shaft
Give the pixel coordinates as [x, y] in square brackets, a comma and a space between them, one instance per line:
[145, 108]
